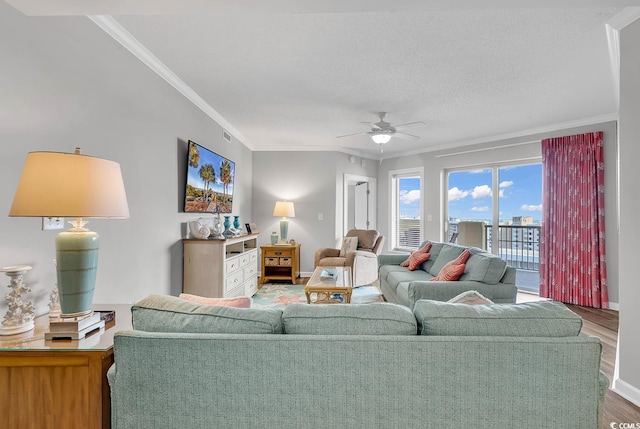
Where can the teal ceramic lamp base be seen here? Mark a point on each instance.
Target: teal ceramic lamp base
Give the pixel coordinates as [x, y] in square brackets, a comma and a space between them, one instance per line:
[76, 266]
[284, 229]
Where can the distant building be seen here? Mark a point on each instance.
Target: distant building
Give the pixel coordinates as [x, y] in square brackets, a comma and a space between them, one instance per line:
[522, 220]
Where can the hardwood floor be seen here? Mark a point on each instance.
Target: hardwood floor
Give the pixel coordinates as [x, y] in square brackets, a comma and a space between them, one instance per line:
[604, 325]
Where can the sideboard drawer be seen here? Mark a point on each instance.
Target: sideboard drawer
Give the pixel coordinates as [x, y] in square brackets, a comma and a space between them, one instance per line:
[233, 280]
[276, 253]
[285, 262]
[232, 264]
[271, 261]
[250, 272]
[244, 260]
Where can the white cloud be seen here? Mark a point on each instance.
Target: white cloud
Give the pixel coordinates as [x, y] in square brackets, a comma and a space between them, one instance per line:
[457, 194]
[410, 196]
[505, 184]
[480, 209]
[481, 191]
[531, 207]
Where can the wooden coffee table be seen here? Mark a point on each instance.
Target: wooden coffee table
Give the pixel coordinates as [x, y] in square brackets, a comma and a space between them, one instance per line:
[334, 290]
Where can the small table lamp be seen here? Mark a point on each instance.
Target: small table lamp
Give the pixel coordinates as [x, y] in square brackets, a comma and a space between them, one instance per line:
[284, 209]
[55, 184]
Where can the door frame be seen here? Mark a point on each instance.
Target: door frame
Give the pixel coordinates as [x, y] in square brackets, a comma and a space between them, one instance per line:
[353, 179]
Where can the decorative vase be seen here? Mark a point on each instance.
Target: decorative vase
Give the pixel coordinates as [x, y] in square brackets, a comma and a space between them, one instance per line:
[274, 237]
[236, 222]
[218, 229]
[227, 223]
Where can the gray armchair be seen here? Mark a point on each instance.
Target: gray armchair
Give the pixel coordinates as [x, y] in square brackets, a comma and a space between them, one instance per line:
[363, 261]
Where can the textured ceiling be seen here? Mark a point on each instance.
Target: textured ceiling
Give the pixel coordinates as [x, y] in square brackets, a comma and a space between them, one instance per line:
[295, 81]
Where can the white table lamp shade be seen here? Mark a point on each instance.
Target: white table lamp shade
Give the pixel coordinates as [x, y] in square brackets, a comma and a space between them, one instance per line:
[284, 209]
[55, 184]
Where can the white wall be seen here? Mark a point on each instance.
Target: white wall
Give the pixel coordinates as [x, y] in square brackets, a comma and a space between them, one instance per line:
[627, 381]
[505, 151]
[66, 83]
[314, 182]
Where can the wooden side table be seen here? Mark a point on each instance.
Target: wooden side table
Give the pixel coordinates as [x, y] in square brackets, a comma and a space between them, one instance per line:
[50, 384]
[280, 262]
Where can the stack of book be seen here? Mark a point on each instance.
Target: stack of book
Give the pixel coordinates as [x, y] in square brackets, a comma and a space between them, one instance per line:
[75, 328]
[328, 274]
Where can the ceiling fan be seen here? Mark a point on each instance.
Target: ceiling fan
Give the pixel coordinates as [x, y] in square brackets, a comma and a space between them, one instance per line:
[382, 131]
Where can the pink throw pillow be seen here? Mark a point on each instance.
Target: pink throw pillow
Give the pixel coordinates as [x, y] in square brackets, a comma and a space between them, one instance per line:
[453, 270]
[238, 302]
[416, 259]
[422, 251]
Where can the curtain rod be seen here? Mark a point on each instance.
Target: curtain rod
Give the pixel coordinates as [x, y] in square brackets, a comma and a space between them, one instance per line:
[486, 148]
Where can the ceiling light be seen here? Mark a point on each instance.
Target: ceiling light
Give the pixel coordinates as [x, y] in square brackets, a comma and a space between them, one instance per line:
[381, 138]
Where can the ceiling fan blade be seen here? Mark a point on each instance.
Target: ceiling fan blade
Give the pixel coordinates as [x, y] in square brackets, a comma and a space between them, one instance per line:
[409, 125]
[405, 136]
[374, 126]
[351, 135]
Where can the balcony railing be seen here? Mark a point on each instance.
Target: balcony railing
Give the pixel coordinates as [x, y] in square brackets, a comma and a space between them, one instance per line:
[518, 245]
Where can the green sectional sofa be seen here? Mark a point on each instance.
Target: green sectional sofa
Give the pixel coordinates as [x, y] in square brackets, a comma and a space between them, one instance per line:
[484, 272]
[368, 366]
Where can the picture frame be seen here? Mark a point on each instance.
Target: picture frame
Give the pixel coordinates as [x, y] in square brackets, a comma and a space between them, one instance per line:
[248, 228]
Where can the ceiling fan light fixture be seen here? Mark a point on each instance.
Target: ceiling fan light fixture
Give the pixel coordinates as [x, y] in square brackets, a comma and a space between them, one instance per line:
[381, 138]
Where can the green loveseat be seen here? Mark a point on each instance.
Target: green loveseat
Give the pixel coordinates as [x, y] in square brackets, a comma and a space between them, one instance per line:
[484, 272]
[366, 366]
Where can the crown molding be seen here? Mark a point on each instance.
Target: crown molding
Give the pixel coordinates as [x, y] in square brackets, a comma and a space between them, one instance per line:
[625, 17]
[522, 134]
[110, 26]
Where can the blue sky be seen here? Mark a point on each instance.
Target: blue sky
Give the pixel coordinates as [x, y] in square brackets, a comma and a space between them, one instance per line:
[470, 193]
[520, 193]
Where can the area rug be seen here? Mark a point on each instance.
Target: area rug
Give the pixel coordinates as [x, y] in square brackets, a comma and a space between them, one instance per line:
[281, 295]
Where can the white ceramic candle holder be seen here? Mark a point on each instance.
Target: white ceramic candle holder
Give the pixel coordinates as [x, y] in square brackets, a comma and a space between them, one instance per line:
[20, 315]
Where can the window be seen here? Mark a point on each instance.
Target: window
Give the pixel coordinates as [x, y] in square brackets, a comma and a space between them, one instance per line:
[506, 223]
[406, 208]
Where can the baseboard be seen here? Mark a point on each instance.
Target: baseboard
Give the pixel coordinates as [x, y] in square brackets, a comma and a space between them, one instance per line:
[626, 390]
[614, 306]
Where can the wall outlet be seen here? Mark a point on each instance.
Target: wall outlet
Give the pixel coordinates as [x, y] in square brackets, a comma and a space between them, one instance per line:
[49, 223]
[320, 216]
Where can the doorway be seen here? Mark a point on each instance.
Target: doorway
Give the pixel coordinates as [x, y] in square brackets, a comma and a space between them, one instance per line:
[359, 203]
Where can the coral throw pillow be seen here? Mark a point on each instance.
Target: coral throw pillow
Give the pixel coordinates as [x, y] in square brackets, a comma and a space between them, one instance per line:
[238, 302]
[418, 257]
[453, 270]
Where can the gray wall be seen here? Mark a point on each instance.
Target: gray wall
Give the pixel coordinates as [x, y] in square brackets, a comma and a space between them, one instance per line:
[66, 83]
[314, 182]
[628, 381]
[435, 198]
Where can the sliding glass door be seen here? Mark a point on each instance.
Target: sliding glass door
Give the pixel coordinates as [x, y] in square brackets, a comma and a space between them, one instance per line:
[505, 222]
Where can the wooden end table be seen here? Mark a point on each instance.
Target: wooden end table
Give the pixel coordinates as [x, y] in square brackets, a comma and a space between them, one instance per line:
[325, 288]
[46, 384]
[280, 263]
